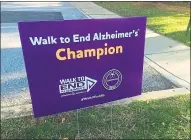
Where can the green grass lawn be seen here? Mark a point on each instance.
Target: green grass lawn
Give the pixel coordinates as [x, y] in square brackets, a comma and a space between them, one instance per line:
[165, 119]
[166, 18]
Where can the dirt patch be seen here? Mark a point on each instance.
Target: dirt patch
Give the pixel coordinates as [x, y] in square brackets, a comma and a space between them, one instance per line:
[170, 6]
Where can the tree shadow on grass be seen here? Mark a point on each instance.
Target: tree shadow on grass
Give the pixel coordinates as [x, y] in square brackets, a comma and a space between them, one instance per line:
[181, 36]
[128, 9]
[156, 120]
[48, 127]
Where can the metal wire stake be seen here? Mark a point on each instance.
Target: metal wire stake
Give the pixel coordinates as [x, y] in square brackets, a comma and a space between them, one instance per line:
[78, 126]
[111, 120]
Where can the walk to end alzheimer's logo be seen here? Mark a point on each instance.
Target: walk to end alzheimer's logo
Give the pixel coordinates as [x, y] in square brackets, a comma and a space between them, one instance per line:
[76, 85]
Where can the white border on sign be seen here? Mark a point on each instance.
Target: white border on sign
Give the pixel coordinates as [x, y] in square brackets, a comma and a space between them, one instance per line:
[83, 0]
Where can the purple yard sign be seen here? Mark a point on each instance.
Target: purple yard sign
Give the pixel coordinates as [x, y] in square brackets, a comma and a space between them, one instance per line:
[74, 64]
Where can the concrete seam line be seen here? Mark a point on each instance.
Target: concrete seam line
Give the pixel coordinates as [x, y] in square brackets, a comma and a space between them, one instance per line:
[167, 75]
[87, 15]
[95, 6]
[167, 70]
[168, 52]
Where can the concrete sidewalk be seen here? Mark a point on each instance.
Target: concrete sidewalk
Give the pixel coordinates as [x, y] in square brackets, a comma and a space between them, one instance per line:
[167, 56]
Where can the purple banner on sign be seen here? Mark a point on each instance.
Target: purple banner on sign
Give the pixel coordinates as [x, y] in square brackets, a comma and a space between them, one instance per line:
[74, 64]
